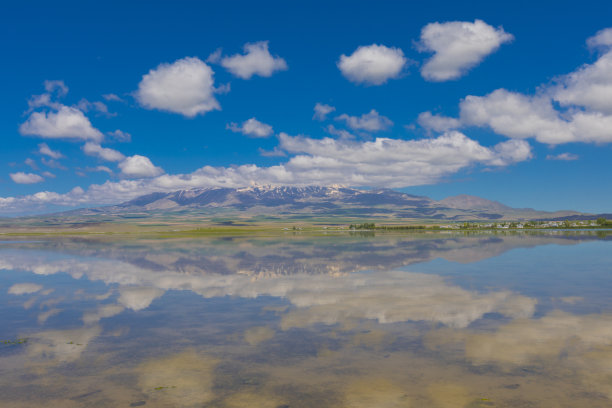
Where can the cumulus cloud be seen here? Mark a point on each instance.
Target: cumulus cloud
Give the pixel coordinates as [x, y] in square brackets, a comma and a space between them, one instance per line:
[516, 115]
[383, 162]
[48, 174]
[601, 40]
[251, 127]
[102, 169]
[139, 166]
[24, 288]
[43, 148]
[96, 106]
[563, 156]
[256, 60]
[321, 111]
[276, 152]
[186, 86]
[57, 86]
[576, 107]
[373, 64]
[457, 47]
[43, 100]
[55, 90]
[25, 178]
[371, 121]
[342, 133]
[112, 97]
[438, 123]
[119, 136]
[590, 86]
[66, 123]
[30, 162]
[521, 116]
[53, 164]
[104, 153]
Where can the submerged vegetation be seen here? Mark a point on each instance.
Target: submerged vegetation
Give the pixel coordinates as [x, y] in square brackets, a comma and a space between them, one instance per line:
[14, 342]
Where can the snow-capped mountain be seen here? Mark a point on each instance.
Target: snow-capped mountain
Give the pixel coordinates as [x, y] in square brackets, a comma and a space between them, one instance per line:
[270, 196]
[325, 201]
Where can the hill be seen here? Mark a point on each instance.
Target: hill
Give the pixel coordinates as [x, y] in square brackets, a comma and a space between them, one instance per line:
[318, 201]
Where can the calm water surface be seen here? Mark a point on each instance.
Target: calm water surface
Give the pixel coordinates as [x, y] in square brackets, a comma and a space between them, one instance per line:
[412, 320]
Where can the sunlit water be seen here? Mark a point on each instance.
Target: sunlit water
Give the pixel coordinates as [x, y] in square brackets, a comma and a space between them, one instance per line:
[391, 320]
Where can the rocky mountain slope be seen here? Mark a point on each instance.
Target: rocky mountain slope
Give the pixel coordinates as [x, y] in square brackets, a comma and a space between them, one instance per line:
[308, 201]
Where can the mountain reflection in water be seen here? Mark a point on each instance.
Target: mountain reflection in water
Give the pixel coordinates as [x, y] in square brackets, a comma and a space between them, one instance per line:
[391, 320]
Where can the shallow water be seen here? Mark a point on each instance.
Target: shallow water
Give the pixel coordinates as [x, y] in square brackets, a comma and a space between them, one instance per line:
[391, 320]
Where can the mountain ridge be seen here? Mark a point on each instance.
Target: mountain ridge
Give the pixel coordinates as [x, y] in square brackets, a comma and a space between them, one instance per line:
[326, 201]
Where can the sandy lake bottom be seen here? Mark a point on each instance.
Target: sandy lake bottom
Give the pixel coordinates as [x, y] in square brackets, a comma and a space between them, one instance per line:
[356, 321]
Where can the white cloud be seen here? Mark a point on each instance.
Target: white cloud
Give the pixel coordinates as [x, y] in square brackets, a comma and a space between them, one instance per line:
[516, 115]
[371, 121]
[52, 163]
[276, 152]
[563, 156]
[215, 57]
[30, 162]
[592, 127]
[56, 86]
[112, 97]
[256, 60]
[457, 47]
[590, 86]
[97, 106]
[43, 148]
[437, 123]
[103, 169]
[342, 133]
[510, 151]
[26, 178]
[24, 288]
[584, 115]
[55, 89]
[373, 64]
[251, 127]
[104, 153]
[185, 86]
[120, 136]
[520, 116]
[66, 123]
[383, 162]
[602, 39]
[139, 166]
[48, 174]
[321, 111]
[43, 100]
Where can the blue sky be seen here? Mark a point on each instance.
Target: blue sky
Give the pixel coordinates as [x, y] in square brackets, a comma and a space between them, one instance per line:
[104, 102]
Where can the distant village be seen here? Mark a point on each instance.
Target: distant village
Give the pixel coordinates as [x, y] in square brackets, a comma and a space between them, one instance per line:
[506, 225]
[599, 223]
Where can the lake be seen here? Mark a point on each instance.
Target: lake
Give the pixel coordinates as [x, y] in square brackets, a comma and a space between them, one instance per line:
[490, 319]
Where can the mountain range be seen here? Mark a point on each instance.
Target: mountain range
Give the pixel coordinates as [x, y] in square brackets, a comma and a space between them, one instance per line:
[318, 201]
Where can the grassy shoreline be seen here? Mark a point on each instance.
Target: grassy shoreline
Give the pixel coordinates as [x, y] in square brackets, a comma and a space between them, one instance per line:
[265, 229]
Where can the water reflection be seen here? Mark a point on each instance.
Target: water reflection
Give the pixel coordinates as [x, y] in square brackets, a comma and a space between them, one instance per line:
[300, 321]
